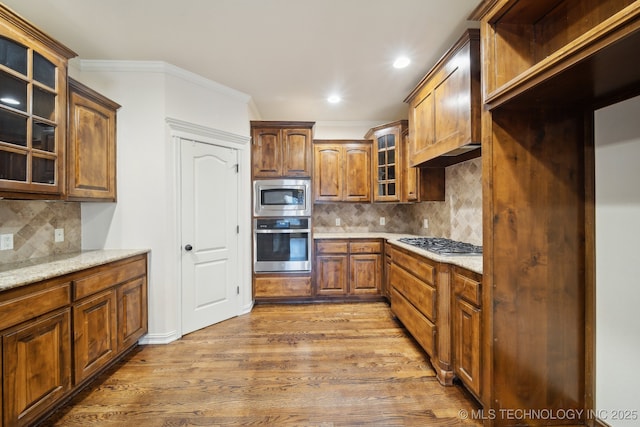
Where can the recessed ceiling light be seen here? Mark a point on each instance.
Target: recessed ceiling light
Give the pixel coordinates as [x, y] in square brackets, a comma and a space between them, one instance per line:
[334, 99]
[401, 62]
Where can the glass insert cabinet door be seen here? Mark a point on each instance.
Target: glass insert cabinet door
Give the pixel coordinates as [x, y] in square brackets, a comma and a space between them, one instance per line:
[386, 167]
[32, 114]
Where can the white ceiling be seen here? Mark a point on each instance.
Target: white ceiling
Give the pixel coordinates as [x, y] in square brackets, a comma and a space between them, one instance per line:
[288, 55]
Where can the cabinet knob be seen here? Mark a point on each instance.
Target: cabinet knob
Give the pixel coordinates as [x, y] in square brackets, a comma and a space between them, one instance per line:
[188, 248]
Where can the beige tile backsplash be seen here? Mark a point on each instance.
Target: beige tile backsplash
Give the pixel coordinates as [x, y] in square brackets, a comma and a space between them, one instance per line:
[32, 224]
[459, 217]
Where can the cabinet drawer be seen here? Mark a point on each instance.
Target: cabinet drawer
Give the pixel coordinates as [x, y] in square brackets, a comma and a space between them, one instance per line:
[419, 326]
[421, 295]
[361, 247]
[282, 286]
[105, 278]
[419, 266]
[332, 247]
[26, 307]
[467, 288]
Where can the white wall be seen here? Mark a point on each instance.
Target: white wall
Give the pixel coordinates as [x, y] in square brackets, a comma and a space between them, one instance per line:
[617, 134]
[145, 214]
[344, 130]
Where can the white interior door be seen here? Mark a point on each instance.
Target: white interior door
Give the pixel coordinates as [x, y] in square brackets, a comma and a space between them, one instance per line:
[209, 193]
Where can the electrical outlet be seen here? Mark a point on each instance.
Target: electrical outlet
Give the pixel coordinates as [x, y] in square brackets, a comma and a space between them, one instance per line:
[58, 235]
[383, 220]
[6, 242]
[425, 223]
[338, 222]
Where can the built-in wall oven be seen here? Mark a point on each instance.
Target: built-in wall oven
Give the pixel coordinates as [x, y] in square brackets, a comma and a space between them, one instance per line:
[282, 225]
[282, 244]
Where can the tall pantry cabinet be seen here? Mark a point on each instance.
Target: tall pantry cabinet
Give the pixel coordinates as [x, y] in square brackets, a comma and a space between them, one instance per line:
[547, 65]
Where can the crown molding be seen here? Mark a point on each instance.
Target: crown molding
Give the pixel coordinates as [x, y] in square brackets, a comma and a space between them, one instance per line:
[99, 65]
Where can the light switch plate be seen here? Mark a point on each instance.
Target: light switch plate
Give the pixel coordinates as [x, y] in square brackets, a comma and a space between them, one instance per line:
[383, 220]
[58, 235]
[425, 223]
[337, 222]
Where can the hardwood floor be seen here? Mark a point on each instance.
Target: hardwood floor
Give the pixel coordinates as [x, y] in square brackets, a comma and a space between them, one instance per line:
[302, 365]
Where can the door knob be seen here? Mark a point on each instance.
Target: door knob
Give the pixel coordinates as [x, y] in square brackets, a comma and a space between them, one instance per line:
[188, 248]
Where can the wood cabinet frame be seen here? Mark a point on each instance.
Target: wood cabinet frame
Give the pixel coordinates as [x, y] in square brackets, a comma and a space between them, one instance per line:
[91, 145]
[281, 149]
[539, 248]
[58, 334]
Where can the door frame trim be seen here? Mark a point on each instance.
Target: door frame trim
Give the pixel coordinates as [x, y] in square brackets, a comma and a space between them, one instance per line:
[179, 130]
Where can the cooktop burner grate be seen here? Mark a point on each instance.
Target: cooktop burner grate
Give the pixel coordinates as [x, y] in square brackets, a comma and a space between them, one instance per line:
[442, 246]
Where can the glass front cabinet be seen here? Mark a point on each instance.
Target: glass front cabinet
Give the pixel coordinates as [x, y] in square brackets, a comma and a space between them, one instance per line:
[33, 99]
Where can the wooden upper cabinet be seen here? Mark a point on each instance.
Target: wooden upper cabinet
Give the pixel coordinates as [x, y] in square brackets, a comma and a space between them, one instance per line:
[445, 107]
[33, 78]
[342, 171]
[357, 179]
[395, 180]
[531, 49]
[281, 149]
[91, 148]
[387, 162]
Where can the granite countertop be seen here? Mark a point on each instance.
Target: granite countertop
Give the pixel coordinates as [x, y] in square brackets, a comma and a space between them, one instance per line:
[472, 263]
[23, 273]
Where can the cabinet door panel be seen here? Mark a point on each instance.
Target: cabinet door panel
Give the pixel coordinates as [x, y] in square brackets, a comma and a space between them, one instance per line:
[364, 271]
[94, 328]
[266, 153]
[357, 170]
[423, 132]
[331, 274]
[327, 172]
[297, 152]
[91, 169]
[282, 286]
[453, 121]
[36, 360]
[467, 344]
[132, 312]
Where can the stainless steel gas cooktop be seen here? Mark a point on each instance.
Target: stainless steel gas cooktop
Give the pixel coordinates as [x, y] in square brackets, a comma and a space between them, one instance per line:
[442, 246]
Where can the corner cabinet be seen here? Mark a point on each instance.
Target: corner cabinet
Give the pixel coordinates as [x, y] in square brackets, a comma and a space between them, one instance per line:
[445, 107]
[91, 147]
[281, 149]
[58, 334]
[33, 76]
[342, 171]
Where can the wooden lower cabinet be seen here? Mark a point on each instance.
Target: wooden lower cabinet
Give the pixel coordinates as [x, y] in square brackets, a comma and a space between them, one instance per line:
[132, 312]
[332, 274]
[36, 367]
[348, 267]
[60, 333]
[94, 326]
[467, 318]
[440, 305]
[413, 296]
[281, 286]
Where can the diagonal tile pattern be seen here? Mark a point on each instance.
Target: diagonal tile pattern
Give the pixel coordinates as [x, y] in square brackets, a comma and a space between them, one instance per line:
[32, 224]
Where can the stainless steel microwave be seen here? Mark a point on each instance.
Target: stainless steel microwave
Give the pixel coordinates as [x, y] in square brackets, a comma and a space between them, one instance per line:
[282, 197]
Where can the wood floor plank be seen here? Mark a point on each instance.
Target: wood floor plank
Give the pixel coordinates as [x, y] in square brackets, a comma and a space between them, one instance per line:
[284, 365]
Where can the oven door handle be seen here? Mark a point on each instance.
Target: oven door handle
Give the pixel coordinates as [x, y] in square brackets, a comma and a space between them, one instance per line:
[282, 231]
